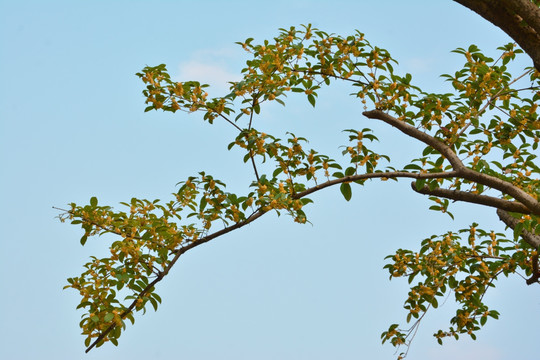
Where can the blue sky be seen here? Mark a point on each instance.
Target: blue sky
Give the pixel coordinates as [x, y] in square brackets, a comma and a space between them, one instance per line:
[72, 126]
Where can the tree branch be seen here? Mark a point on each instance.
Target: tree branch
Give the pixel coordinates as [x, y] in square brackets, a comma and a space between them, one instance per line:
[459, 171]
[427, 139]
[377, 175]
[228, 120]
[466, 196]
[505, 187]
[463, 172]
[527, 11]
[520, 19]
[255, 100]
[511, 222]
[254, 216]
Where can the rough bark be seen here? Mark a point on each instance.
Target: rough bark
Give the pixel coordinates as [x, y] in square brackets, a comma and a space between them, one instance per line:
[459, 168]
[520, 19]
[470, 197]
[510, 221]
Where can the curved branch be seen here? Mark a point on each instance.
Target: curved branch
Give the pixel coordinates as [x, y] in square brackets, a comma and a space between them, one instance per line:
[520, 19]
[427, 139]
[463, 172]
[254, 216]
[527, 11]
[459, 171]
[378, 175]
[505, 187]
[466, 196]
[512, 222]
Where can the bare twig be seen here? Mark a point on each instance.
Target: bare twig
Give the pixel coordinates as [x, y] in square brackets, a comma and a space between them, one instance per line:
[230, 122]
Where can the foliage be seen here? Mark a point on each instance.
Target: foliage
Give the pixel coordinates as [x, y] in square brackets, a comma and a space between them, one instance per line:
[480, 147]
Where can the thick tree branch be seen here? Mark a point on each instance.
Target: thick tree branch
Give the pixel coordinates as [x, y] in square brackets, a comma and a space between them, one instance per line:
[528, 11]
[466, 196]
[463, 172]
[511, 222]
[505, 187]
[520, 19]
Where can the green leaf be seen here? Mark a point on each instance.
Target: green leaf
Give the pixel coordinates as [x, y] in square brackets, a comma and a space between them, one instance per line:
[116, 332]
[346, 190]
[276, 172]
[154, 303]
[93, 201]
[483, 320]
[518, 229]
[311, 99]
[108, 317]
[419, 184]
[84, 304]
[156, 296]
[203, 203]
[428, 150]
[412, 167]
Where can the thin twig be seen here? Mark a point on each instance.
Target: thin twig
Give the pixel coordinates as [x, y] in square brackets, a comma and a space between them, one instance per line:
[252, 157]
[230, 122]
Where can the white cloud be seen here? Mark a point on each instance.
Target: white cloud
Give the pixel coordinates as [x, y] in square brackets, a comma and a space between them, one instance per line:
[213, 74]
[211, 66]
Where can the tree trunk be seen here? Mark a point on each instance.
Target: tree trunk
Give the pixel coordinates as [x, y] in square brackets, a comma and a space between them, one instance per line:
[520, 19]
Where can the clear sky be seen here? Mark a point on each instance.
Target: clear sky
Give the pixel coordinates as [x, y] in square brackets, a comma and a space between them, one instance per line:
[72, 126]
